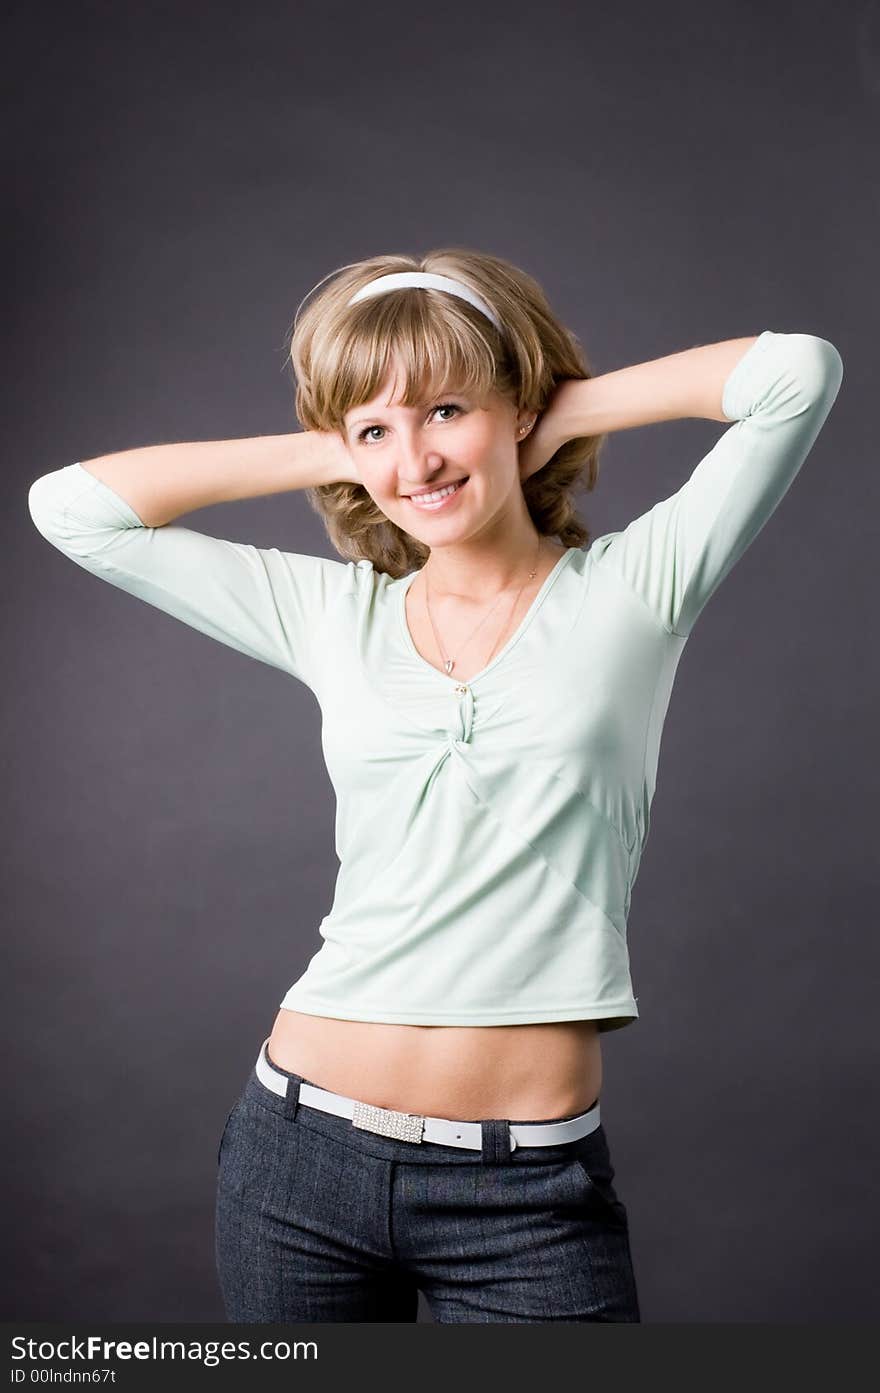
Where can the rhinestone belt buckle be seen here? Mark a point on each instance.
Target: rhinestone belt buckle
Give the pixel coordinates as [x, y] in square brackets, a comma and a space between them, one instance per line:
[406, 1126]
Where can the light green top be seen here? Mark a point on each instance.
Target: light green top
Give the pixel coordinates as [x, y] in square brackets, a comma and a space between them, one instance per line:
[489, 833]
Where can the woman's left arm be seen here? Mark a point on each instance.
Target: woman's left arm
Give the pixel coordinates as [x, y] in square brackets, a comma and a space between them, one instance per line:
[689, 383]
[776, 389]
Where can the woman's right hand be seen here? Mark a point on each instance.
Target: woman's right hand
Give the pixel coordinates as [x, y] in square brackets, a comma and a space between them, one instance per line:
[338, 464]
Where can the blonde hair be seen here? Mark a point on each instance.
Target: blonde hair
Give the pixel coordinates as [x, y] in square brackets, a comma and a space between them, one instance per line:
[342, 354]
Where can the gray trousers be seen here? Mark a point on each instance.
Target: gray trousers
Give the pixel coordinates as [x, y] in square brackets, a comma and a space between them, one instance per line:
[318, 1220]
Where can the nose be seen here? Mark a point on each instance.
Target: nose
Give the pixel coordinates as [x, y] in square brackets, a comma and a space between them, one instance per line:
[417, 465]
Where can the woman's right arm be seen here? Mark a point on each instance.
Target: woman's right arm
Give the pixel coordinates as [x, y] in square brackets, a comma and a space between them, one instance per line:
[110, 515]
[161, 482]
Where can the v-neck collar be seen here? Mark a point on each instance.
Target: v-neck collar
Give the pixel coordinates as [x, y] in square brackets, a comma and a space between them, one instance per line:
[527, 618]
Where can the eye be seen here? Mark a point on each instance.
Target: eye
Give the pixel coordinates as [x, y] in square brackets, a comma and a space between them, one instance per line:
[443, 406]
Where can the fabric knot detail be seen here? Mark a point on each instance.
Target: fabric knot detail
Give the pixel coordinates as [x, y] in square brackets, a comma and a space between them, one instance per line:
[455, 744]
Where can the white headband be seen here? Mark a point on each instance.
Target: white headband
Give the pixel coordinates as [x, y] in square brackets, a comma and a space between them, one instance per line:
[427, 280]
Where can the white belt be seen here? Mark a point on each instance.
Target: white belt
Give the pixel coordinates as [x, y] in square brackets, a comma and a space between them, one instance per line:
[409, 1126]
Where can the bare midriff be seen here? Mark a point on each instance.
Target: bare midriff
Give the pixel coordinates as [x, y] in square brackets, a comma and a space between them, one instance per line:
[520, 1072]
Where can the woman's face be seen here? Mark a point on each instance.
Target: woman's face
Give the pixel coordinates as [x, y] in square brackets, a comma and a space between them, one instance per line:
[399, 451]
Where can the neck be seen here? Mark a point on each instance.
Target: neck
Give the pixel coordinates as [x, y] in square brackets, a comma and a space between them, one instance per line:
[479, 570]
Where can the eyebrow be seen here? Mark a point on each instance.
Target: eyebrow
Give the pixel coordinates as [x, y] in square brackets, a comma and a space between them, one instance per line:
[359, 419]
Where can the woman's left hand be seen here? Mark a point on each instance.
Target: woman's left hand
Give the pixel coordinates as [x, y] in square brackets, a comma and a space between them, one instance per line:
[547, 436]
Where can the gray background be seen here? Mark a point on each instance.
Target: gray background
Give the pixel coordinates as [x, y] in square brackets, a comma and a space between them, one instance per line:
[177, 178]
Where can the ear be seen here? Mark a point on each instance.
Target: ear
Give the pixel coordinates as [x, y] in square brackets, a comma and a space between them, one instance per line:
[525, 421]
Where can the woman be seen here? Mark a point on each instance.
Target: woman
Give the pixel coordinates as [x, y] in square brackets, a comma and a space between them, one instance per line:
[493, 696]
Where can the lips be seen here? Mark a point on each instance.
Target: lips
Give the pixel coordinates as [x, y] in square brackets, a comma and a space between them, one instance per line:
[435, 488]
[436, 505]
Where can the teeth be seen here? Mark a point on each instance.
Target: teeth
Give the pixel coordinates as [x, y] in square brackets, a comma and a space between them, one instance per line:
[435, 497]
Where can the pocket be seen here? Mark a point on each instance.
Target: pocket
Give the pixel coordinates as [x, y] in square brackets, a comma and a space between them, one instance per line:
[601, 1194]
[594, 1173]
[229, 1117]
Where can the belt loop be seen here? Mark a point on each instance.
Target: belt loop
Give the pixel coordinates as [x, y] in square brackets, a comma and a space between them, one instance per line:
[291, 1098]
[496, 1141]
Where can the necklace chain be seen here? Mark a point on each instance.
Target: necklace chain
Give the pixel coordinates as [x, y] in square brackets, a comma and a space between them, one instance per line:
[449, 663]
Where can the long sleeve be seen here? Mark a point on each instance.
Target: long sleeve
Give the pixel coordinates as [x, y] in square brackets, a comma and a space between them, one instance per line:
[266, 603]
[676, 554]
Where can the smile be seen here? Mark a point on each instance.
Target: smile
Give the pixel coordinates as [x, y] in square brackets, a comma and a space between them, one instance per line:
[440, 498]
